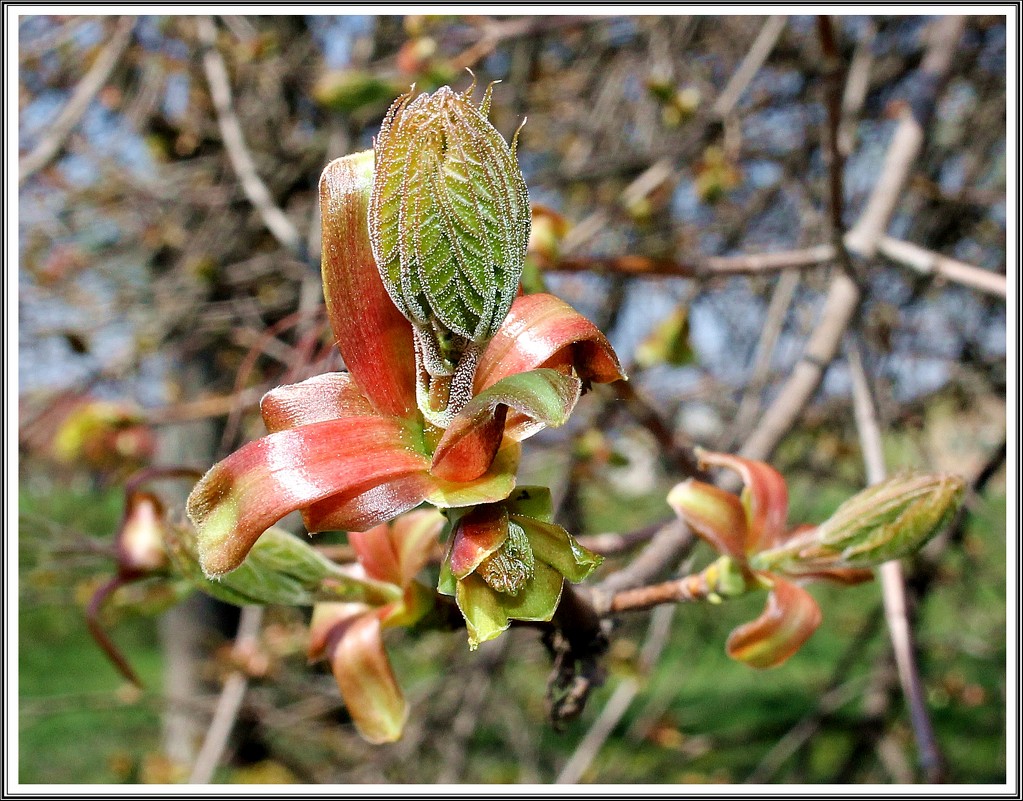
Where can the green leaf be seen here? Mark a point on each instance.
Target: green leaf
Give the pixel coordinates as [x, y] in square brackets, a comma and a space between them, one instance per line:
[449, 215]
[559, 549]
[482, 609]
[531, 501]
[544, 396]
[280, 569]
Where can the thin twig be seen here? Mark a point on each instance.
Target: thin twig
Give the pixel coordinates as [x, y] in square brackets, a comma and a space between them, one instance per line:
[665, 549]
[699, 268]
[58, 131]
[839, 307]
[230, 701]
[774, 322]
[276, 221]
[917, 258]
[685, 589]
[611, 544]
[751, 64]
[679, 454]
[893, 585]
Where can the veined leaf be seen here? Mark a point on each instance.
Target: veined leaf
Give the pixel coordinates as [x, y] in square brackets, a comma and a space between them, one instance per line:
[449, 215]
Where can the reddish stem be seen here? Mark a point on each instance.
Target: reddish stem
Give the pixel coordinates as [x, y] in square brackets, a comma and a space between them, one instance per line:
[92, 614]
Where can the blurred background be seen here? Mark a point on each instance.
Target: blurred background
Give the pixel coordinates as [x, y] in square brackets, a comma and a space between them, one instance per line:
[169, 275]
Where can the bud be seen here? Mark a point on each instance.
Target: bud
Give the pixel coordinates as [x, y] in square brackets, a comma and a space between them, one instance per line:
[449, 221]
[508, 561]
[281, 569]
[889, 520]
[140, 548]
[511, 566]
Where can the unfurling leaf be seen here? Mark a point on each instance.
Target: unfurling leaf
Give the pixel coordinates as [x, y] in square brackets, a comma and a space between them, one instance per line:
[449, 218]
[508, 561]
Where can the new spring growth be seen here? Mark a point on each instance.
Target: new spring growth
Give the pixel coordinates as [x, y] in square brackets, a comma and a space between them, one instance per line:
[449, 222]
[889, 520]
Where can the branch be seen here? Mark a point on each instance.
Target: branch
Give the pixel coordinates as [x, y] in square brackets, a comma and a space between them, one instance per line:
[689, 588]
[276, 221]
[840, 305]
[680, 454]
[700, 268]
[908, 138]
[843, 295]
[58, 131]
[751, 64]
[774, 322]
[230, 701]
[893, 584]
[667, 547]
[614, 710]
[929, 263]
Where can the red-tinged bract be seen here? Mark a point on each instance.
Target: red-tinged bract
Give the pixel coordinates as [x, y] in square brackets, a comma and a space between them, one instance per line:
[742, 528]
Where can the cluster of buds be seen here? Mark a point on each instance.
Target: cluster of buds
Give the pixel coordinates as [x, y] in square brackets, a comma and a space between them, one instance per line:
[449, 368]
[509, 561]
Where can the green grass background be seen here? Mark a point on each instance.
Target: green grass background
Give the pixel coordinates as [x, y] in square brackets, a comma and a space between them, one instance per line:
[698, 718]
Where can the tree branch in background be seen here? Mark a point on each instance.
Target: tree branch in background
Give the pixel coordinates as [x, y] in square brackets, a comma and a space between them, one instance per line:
[230, 701]
[276, 221]
[58, 131]
[844, 296]
[893, 586]
[657, 635]
[751, 64]
[913, 256]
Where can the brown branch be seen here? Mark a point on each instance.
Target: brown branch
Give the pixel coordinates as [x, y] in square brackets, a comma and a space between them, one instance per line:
[680, 454]
[58, 131]
[688, 588]
[893, 584]
[276, 221]
[919, 259]
[230, 701]
[99, 634]
[611, 544]
[700, 268]
[614, 710]
[666, 548]
[757, 54]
